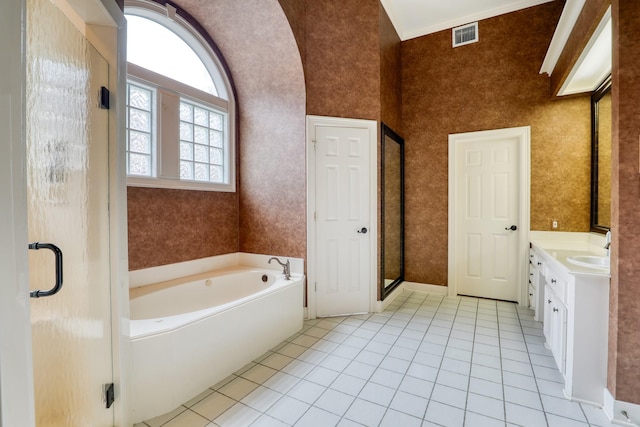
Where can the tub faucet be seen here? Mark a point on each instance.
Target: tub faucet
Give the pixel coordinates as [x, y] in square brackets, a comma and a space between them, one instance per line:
[607, 245]
[286, 267]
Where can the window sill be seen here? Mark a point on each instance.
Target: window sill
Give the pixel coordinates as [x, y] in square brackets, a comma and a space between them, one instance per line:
[177, 184]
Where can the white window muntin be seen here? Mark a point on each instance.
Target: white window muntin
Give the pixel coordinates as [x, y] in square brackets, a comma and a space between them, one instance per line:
[168, 95]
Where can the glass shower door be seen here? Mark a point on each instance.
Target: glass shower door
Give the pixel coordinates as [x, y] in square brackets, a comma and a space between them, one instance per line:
[68, 191]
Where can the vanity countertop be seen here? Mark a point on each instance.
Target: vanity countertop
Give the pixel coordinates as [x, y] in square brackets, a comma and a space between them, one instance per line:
[558, 246]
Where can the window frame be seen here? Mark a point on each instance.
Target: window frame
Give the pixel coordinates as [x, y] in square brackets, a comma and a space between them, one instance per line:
[168, 94]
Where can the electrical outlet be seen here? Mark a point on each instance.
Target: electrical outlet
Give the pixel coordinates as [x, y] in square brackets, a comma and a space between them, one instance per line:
[554, 224]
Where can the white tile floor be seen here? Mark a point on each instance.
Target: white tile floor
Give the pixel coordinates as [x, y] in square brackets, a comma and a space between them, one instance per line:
[427, 360]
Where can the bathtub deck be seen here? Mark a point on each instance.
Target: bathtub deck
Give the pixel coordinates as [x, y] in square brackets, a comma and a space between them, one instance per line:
[427, 360]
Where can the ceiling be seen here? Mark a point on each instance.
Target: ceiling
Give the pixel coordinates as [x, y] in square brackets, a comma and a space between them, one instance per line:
[415, 18]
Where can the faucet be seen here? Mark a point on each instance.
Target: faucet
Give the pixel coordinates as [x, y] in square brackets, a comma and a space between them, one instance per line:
[608, 244]
[286, 267]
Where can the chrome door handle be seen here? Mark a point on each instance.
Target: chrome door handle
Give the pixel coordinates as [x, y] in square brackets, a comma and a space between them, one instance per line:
[512, 228]
[363, 230]
[58, 284]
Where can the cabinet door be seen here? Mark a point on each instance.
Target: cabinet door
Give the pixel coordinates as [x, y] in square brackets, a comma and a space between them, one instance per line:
[548, 301]
[559, 333]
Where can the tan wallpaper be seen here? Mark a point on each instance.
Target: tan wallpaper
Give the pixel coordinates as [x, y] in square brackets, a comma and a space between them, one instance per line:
[492, 84]
[342, 61]
[168, 226]
[390, 74]
[624, 313]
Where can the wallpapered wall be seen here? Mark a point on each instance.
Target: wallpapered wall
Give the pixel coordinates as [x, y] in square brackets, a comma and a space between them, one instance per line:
[492, 84]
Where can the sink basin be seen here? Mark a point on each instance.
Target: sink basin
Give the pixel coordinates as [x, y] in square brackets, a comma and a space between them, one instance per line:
[591, 261]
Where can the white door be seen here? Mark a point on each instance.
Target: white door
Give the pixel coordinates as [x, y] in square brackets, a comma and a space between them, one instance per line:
[487, 214]
[343, 219]
[67, 204]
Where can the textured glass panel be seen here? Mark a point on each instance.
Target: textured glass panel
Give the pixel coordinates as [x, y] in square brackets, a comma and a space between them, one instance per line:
[186, 132]
[186, 112]
[216, 156]
[139, 120]
[186, 151]
[201, 153]
[186, 170]
[201, 117]
[216, 139]
[201, 135]
[139, 164]
[140, 98]
[67, 154]
[216, 173]
[140, 142]
[201, 172]
[216, 121]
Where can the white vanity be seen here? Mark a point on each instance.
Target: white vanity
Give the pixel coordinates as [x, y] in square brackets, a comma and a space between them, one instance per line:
[569, 291]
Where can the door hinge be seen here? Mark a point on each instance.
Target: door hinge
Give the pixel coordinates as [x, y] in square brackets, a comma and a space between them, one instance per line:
[315, 216]
[104, 98]
[109, 394]
[315, 286]
[315, 143]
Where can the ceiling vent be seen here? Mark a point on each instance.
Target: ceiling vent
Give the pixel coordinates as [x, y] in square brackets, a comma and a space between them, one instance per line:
[465, 34]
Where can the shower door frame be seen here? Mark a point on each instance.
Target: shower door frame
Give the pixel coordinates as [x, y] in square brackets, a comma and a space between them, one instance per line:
[102, 23]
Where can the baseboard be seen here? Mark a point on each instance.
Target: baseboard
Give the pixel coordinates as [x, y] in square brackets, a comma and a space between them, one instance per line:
[425, 288]
[382, 305]
[613, 410]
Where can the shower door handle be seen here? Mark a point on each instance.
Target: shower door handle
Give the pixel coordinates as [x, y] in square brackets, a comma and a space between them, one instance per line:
[58, 257]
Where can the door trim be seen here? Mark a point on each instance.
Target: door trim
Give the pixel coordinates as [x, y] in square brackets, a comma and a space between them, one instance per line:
[372, 127]
[524, 137]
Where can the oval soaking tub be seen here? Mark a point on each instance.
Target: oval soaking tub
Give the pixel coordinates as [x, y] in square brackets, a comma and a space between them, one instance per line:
[188, 334]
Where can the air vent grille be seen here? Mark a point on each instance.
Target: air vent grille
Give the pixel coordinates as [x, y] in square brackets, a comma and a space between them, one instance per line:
[465, 34]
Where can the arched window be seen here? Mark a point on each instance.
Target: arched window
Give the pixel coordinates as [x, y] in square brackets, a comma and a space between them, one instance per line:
[180, 106]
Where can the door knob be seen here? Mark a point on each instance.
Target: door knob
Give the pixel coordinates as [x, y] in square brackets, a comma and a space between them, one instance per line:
[512, 228]
[363, 230]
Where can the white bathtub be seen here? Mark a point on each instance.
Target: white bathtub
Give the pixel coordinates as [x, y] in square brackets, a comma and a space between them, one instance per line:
[188, 334]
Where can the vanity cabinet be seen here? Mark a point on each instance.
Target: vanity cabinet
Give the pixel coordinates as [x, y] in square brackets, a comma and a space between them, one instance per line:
[574, 309]
[536, 285]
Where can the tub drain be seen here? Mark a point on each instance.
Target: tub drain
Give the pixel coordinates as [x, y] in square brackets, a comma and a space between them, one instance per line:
[265, 278]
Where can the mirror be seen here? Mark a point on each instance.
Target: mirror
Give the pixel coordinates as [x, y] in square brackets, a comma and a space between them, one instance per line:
[601, 158]
[392, 211]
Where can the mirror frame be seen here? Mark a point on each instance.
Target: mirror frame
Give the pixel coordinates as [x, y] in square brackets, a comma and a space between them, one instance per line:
[388, 134]
[599, 93]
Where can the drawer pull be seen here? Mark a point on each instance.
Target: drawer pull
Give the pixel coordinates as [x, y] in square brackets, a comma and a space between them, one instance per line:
[530, 295]
[553, 281]
[539, 263]
[548, 301]
[555, 310]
